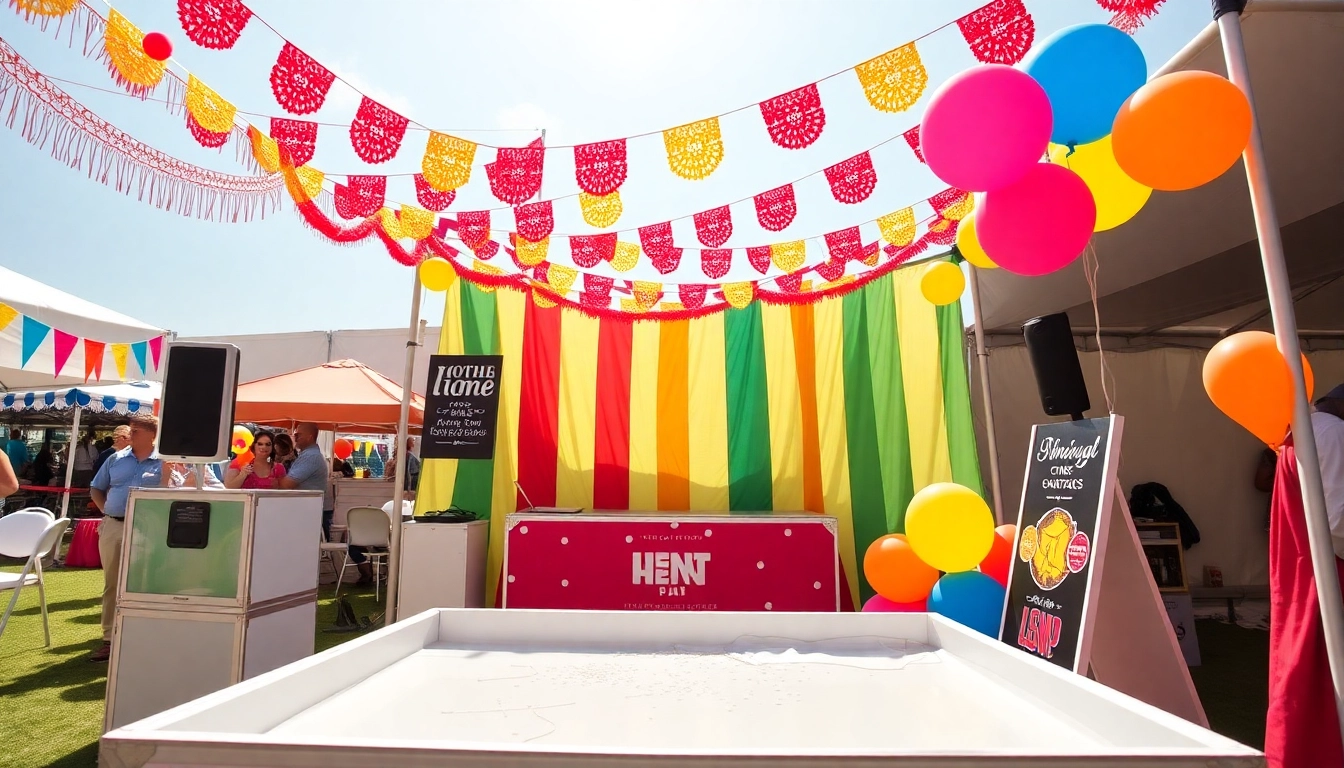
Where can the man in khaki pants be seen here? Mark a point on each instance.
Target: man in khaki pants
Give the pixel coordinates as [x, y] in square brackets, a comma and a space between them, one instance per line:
[132, 467]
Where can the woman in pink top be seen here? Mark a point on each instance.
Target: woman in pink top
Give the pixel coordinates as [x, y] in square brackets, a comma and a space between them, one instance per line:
[263, 472]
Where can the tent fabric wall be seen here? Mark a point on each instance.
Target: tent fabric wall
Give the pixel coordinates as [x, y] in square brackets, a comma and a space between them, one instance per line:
[1173, 435]
[264, 355]
[846, 407]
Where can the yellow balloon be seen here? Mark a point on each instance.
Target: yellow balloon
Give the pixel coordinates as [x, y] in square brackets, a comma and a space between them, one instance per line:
[437, 274]
[1118, 197]
[969, 244]
[942, 283]
[950, 527]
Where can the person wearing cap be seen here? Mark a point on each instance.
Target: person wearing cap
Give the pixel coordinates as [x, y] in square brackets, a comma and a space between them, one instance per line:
[1327, 421]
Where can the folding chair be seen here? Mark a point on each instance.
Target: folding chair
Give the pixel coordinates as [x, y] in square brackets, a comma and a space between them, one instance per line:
[30, 534]
[370, 528]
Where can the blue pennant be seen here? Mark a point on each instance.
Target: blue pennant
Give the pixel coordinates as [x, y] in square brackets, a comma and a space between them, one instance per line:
[34, 333]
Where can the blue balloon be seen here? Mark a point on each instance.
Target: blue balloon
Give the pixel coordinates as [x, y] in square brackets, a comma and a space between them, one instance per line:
[1088, 71]
[970, 598]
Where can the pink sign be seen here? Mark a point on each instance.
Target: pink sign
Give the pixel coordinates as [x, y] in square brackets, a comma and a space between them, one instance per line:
[672, 563]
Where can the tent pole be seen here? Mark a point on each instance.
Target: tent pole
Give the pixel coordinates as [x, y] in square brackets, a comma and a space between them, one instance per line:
[1285, 333]
[983, 355]
[403, 420]
[70, 461]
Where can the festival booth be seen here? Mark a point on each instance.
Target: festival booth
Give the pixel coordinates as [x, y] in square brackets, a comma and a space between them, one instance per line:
[49, 338]
[86, 406]
[343, 396]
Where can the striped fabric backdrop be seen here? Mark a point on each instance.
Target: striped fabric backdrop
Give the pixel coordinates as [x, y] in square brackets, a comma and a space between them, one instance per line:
[845, 407]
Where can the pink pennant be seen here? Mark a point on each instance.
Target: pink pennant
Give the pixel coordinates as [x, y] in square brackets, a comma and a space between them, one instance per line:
[600, 168]
[759, 258]
[714, 226]
[208, 139]
[912, 138]
[376, 132]
[299, 83]
[431, 198]
[473, 227]
[775, 209]
[597, 284]
[156, 350]
[65, 344]
[298, 136]
[831, 270]
[515, 176]
[790, 283]
[692, 296]
[589, 250]
[656, 240]
[534, 221]
[999, 33]
[795, 119]
[715, 263]
[852, 180]
[845, 245]
[360, 196]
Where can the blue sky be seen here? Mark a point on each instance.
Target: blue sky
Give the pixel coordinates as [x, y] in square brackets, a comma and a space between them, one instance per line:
[585, 70]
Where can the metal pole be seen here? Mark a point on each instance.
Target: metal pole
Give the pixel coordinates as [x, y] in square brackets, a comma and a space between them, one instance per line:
[403, 419]
[1285, 333]
[70, 461]
[983, 356]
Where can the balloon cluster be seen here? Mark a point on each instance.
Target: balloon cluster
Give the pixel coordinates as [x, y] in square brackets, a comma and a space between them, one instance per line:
[951, 560]
[1248, 379]
[241, 445]
[342, 449]
[1073, 143]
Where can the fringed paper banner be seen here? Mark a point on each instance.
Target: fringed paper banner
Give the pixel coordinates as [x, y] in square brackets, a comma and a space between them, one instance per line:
[299, 83]
[794, 120]
[534, 221]
[1129, 15]
[431, 198]
[299, 137]
[694, 150]
[447, 162]
[360, 196]
[852, 180]
[894, 81]
[46, 117]
[912, 138]
[776, 209]
[714, 227]
[516, 175]
[209, 109]
[600, 169]
[715, 262]
[898, 228]
[759, 258]
[601, 212]
[1001, 32]
[376, 132]
[126, 59]
[50, 9]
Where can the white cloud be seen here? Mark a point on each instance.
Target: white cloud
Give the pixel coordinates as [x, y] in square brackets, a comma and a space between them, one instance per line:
[528, 116]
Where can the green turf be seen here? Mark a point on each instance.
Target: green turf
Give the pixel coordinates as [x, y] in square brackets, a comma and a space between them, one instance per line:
[51, 699]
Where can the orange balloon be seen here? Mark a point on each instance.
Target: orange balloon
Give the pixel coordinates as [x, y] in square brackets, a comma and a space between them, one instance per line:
[1181, 130]
[342, 449]
[895, 572]
[1248, 379]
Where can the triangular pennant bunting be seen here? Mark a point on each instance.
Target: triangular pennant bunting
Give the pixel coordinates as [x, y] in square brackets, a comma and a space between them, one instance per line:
[119, 352]
[65, 344]
[140, 349]
[34, 333]
[156, 350]
[93, 359]
[7, 315]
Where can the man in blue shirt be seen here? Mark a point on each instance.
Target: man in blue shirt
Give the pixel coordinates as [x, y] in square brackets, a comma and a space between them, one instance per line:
[17, 450]
[133, 467]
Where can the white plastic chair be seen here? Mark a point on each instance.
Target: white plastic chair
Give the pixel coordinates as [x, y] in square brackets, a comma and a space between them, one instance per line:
[370, 528]
[327, 551]
[43, 510]
[30, 534]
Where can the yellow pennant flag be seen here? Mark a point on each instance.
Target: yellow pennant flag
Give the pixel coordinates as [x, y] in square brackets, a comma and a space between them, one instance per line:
[119, 353]
[7, 315]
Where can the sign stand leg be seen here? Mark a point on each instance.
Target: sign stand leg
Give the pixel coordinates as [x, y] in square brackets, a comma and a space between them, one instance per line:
[1134, 649]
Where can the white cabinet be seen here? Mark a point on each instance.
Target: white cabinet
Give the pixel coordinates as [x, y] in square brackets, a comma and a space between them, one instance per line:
[442, 566]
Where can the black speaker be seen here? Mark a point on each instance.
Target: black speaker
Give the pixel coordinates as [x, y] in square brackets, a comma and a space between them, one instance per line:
[200, 384]
[1054, 360]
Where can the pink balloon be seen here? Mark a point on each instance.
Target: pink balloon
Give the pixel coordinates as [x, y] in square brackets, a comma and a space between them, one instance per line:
[1038, 225]
[880, 604]
[985, 128]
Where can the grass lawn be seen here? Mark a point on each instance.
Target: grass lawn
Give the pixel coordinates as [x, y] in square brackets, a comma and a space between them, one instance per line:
[51, 699]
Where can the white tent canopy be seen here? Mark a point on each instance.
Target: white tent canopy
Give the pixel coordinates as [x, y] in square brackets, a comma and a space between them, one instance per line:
[1183, 273]
[74, 318]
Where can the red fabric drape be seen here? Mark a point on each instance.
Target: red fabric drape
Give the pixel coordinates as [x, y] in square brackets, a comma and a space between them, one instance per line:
[1301, 728]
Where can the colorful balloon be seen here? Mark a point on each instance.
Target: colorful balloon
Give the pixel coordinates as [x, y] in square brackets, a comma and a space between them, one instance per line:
[1181, 130]
[1249, 381]
[895, 572]
[342, 449]
[971, 599]
[242, 459]
[1000, 557]
[1038, 225]
[985, 127]
[968, 244]
[1087, 71]
[942, 283]
[949, 527]
[1118, 197]
[880, 604]
[437, 274]
[157, 46]
[242, 439]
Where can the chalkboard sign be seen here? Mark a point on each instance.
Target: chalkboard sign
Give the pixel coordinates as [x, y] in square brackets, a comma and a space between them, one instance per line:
[1061, 537]
[461, 406]
[189, 525]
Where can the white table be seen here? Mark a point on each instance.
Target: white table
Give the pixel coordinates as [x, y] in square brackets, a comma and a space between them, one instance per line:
[495, 688]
